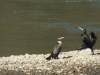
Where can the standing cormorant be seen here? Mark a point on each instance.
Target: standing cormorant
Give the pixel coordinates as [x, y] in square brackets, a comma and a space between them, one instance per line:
[56, 50]
[88, 42]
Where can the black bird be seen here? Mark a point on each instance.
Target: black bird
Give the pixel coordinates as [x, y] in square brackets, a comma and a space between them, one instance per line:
[56, 50]
[88, 42]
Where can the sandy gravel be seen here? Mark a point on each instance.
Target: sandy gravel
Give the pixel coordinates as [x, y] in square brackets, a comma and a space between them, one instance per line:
[69, 63]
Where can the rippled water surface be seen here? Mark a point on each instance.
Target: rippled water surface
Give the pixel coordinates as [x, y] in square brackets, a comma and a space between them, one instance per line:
[32, 26]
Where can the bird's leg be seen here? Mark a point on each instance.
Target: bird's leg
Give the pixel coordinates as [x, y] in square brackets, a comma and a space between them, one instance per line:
[57, 55]
[57, 58]
[54, 56]
[92, 51]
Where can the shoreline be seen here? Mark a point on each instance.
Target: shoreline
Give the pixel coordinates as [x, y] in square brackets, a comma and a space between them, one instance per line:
[69, 63]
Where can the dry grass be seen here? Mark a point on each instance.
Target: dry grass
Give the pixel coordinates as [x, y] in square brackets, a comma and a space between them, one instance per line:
[69, 63]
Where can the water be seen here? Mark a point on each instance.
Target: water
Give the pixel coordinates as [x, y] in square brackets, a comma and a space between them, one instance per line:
[31, 26]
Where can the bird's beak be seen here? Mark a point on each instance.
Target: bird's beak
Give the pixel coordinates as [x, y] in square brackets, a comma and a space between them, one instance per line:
[81, 28]
[61, 38]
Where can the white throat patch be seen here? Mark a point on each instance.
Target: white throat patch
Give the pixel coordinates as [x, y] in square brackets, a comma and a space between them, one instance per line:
[59, 42]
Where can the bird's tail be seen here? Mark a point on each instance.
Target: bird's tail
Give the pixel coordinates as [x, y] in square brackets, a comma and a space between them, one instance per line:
[48, 58]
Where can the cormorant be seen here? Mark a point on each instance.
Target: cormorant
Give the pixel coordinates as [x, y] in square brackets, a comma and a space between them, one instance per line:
[88, 42]
[56, 50]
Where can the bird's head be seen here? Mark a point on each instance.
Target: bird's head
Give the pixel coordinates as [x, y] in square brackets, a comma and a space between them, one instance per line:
[59, 38]
[83, 30]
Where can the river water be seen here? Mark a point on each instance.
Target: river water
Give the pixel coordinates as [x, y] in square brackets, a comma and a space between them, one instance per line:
[32, 26]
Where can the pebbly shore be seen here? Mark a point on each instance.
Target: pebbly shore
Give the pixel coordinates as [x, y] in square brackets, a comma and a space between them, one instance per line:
[69, 63]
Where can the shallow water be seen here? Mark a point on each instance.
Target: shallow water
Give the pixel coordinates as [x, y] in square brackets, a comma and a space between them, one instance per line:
[31, 26]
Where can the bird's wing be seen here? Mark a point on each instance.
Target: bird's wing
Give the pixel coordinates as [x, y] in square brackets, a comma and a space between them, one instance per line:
[93, 38]
[86, 40]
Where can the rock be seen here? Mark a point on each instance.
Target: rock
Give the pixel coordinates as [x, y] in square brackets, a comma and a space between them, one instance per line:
[85, 52]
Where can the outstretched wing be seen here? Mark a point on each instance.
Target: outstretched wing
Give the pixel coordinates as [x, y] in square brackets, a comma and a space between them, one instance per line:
[93, 38]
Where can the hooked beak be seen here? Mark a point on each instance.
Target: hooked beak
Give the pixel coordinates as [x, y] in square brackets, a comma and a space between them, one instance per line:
[61, 38]
[81, 28]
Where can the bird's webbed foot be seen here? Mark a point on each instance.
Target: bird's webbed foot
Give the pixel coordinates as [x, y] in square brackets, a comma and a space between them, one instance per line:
[56, 58]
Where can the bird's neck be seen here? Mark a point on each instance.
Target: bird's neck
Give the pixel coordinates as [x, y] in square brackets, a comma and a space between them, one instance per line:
[59, 42]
